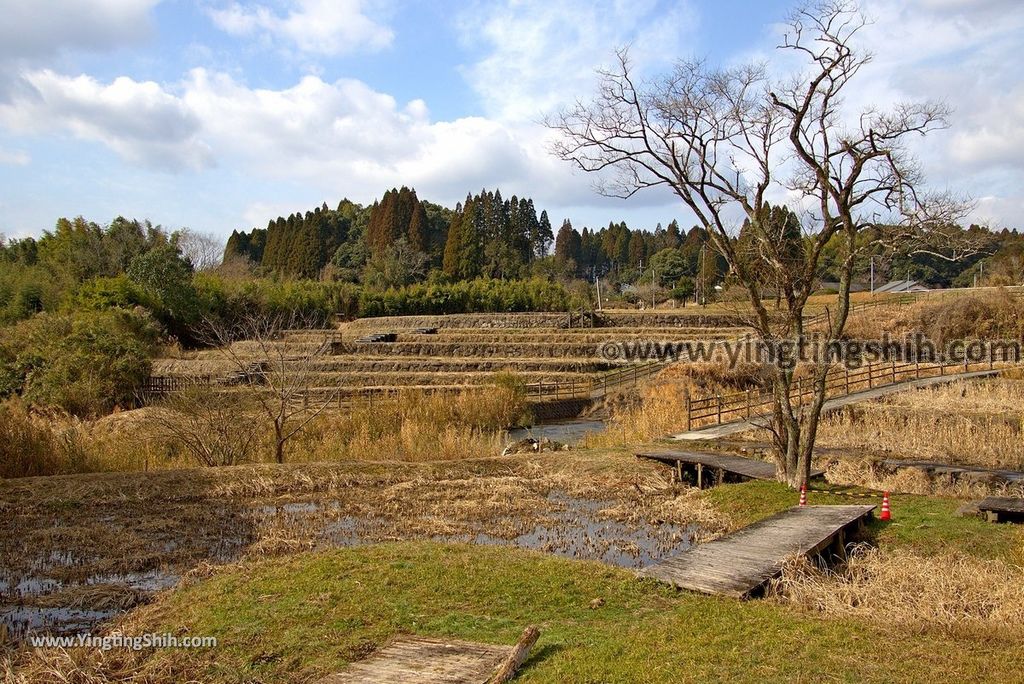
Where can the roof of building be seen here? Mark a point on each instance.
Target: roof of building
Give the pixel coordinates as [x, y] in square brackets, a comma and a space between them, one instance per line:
[897, 286]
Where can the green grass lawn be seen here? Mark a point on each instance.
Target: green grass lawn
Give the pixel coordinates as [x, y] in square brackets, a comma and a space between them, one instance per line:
[303, 616]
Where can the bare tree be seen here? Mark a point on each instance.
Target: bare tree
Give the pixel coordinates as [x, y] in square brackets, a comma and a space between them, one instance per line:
[203, 250]
[723, 139]
[209, 424]
[280, 376]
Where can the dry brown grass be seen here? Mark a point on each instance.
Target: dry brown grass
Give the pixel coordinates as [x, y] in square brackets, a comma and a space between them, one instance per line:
[411, 426]
[657, 408]
[970, 423]
[949, 593]
[868, 472]
[414, 427]
[991, 314]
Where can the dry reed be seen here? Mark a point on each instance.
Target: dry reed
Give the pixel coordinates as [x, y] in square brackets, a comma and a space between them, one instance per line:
[965, 423]
[948, 593]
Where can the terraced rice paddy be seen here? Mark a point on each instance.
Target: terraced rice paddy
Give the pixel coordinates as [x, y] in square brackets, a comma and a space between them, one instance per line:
[465, 350]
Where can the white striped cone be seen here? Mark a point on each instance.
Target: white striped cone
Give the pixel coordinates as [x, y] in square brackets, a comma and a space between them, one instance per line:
[886, 513]
[803, 494]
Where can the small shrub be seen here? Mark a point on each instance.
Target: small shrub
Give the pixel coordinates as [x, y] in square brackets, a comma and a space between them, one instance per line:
[85, 362]
[211, 427]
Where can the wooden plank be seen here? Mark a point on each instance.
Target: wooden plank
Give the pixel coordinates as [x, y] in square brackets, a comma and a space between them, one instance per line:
[426, 660]
[739, 563]
[727, 463]
[1002, 504]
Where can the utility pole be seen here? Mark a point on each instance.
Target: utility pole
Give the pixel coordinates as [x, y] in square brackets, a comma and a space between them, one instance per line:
[597, 282]
[654, 283]
[872, 274]
[701, 267]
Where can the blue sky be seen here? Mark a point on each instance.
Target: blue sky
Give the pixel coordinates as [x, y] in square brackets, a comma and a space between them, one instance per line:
[222, 114]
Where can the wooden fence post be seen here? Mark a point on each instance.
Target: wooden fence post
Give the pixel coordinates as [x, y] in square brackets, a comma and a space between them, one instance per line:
[917, 367]
[870, 378]
[719, 409]
[748, 403]
[894, 371]
[687, 402]
[847, 379]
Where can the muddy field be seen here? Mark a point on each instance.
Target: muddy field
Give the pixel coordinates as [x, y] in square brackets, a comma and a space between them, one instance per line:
[77, 550]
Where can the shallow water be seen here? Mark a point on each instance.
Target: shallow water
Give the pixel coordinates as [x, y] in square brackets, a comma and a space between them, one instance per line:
[574, 527]
[566, 432]
[578, 531]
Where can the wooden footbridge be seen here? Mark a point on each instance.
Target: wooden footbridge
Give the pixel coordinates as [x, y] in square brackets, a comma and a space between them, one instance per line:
[429, 660]
[741, 563]
[712, 469]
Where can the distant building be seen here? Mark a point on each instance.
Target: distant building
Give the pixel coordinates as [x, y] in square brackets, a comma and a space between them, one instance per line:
[901, 287]
[833, 286]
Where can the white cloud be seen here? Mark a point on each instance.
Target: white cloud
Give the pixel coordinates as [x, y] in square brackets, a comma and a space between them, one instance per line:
[962, 53]
[541, 54]
[14, 157]
[326, 27]
[32, 30]
[343, 137]
[139, 120]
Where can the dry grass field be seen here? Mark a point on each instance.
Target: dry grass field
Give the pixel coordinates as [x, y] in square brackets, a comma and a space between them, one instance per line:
[398, 517]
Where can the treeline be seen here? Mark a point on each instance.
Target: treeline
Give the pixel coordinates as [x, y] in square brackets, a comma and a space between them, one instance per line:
[85, 308]
[399, 240]
[949, 256]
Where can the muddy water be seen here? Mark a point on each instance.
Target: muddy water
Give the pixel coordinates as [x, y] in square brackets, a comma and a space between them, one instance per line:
[42, 597]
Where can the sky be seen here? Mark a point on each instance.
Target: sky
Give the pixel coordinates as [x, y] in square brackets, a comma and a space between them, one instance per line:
[223, 114]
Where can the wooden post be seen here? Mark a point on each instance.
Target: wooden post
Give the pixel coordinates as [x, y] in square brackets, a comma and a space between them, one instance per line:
[847, 379]
[870, 385]
[700, 476]
[689, 409]
[894, 371]
[719, 409]
[748, 403]
[991, 357]
[917, 367]
[965, 359]
[517, 657]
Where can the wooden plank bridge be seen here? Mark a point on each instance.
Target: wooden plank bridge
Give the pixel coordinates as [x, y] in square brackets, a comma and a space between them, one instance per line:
[420, 659]
[741, 563]
[1002, 508]
[715, 468]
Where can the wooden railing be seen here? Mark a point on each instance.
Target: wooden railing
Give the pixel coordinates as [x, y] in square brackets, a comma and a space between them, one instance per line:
[839, 381]
[598, 386]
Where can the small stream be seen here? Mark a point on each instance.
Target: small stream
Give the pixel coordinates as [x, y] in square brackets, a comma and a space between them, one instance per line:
[566, 432]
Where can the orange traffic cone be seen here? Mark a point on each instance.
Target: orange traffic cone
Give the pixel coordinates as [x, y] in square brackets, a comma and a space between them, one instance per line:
[886, 513]
[803, 494]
